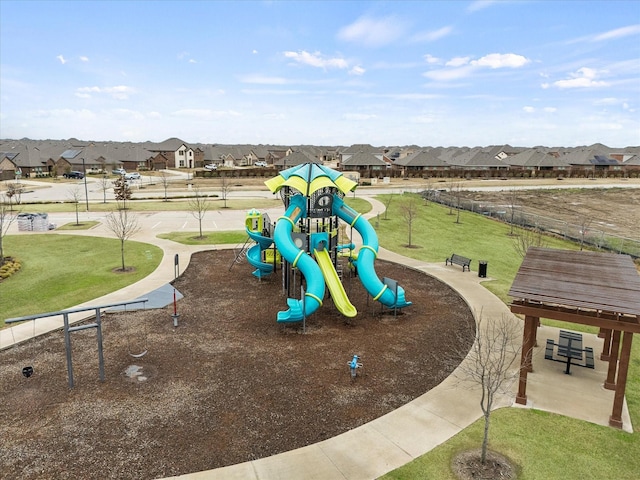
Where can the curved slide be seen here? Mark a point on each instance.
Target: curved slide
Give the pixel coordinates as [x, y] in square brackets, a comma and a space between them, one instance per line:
[254, 254]
[367, 255]
[298, 309]
[339, 296]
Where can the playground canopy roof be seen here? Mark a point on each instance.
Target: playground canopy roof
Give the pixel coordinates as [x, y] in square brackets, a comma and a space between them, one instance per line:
[310, 177]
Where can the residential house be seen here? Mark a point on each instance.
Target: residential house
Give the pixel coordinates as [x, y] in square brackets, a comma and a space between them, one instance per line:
[426, 162]
[178, 153]
[298, 157]
[367, 164]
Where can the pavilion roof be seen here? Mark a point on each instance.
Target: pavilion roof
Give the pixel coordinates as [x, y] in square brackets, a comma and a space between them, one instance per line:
[602, 282]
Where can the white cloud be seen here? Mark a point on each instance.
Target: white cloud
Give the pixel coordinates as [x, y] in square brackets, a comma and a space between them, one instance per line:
[433, 35]
[254, 52]
[61, 59]
[550, 109]
[529, 109]
[373, 32]
[446, 74]
[457, 61]
[501, 60]
[316, 59]
[357, 70]
[582, 78]
[119, 92]
[618, 33]
[462, 67]
[430, 59]
[84, 58]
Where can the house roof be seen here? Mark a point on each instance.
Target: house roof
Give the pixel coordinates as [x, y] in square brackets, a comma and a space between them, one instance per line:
[362, 159]
[423, 158]
[296, 158]
[169, 145]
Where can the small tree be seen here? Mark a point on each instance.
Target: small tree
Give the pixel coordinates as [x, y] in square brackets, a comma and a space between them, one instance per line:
[75, 196]
[409, 211]
[528, 238]
[386, 199]
[225, 188]
[7, 217]
[584, 223]
[513, 199]
[491, 364]
[123, 225]
[164, 181]
[199, 205]
[122, 191]
[14, 191]
[104, 185]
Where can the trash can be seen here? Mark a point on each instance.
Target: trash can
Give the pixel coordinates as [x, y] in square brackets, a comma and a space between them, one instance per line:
[482, 269]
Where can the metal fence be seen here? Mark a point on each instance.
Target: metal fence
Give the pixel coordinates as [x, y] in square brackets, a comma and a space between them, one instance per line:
[584, 234]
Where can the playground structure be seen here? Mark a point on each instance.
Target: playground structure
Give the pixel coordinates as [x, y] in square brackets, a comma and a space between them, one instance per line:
[305, 240]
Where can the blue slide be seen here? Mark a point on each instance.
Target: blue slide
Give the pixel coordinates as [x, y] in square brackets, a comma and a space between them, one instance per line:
[254, 254]
[367, 255]
[301, 260]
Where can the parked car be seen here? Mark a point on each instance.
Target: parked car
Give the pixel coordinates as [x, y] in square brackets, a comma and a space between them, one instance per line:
[211, 166]
[132, 176]
[260, 164]
[119, 171]
[73, 174]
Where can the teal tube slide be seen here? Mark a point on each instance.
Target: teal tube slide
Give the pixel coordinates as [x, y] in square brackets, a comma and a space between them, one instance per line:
[367, 255]
[254, 254]
[298, 309]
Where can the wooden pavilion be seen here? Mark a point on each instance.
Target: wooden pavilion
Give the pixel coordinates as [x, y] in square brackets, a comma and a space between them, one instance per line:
[597, 289]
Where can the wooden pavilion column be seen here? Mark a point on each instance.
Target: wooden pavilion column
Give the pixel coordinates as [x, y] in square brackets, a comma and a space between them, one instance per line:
[606, 347]
[526, 359]
[615, 420]
[610, 382]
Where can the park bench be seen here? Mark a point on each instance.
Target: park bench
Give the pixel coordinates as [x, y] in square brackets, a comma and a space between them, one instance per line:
[464, 262]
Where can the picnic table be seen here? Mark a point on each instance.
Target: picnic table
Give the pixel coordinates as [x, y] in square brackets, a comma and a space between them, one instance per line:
[569, 346]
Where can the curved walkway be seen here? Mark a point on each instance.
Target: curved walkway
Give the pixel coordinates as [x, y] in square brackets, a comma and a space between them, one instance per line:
[404, 434]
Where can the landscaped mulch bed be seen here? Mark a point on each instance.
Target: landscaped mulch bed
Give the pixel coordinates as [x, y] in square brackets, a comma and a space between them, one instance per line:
[229, 384]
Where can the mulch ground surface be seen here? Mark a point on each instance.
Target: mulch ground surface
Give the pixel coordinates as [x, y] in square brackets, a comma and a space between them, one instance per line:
[229, 384]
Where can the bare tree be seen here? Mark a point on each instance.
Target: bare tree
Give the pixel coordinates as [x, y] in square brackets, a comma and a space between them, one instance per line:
[513, 200]
[409, 211]
[225, 188]
[584, 222]
[491, 364]
[75, 196]
[104, 185]
[123, 225]
[7, 217]
[14, 190]
[386, 199]
[527, 238]
[199, 205]
[164, 181]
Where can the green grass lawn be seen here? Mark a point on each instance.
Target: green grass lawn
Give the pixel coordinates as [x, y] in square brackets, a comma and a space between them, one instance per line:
[208, 238]
[61, 271]
[543, 445]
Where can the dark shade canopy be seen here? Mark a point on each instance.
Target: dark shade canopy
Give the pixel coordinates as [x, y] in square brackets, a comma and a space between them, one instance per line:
[587, 280]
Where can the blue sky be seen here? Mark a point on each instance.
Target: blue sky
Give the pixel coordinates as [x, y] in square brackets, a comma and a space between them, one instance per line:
[431, 73]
